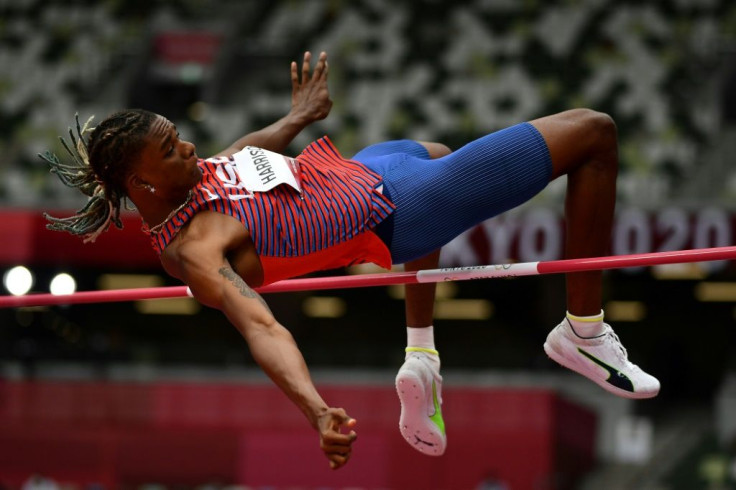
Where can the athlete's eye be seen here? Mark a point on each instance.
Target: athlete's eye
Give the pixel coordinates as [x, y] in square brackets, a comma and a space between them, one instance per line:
[173, 145]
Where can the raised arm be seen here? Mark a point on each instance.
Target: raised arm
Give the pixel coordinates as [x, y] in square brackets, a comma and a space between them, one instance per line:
[310, 102]
[200, 260]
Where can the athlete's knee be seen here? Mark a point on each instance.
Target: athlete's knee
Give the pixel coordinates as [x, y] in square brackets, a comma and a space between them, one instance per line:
[603, 126]
[435, 150]
[605, 138]
[599, 138]
[600, 129]
[580, 138]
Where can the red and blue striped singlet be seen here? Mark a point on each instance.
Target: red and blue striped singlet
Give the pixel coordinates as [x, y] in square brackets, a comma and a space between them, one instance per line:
[327, 226]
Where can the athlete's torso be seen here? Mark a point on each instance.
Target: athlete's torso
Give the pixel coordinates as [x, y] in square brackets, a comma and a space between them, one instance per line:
[311, 213]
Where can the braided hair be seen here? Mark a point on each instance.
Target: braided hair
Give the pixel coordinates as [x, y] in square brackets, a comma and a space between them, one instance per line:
[98, 168]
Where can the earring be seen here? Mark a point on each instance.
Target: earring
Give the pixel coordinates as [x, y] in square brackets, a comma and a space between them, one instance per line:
[150, 188]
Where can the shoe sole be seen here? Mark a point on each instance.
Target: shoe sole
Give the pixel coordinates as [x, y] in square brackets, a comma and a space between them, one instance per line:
[415, 425]
[572, 365]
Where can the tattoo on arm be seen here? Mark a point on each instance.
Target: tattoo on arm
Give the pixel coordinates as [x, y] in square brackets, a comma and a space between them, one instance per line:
[239, 283]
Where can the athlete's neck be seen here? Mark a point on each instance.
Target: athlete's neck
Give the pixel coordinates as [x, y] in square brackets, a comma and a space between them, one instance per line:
[155, 210]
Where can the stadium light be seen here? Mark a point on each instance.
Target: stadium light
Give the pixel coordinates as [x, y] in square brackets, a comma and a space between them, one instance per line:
[62, 283]
[18, 280]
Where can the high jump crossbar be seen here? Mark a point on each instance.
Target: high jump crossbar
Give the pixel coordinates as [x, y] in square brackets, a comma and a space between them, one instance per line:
[390, 278]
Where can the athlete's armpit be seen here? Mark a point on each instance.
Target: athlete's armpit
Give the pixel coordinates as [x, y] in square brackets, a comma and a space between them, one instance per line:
[228, 273]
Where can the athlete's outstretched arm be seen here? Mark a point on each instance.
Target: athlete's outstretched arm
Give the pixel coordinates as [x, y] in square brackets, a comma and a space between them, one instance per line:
[310, 102]
[202, 264]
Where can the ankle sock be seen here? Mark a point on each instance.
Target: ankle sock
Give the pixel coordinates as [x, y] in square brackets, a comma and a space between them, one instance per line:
[422, 340]
[587, 326]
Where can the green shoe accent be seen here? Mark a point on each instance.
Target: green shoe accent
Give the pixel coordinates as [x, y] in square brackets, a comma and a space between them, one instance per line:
[437, 416]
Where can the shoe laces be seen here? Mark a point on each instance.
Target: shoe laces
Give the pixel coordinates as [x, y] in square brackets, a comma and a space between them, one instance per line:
[624, 353]
[614, 338]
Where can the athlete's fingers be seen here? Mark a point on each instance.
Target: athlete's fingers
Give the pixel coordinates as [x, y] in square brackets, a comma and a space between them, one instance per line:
[305, 66]
[337, 438]
[294, 76]
[338, 460]
[319, 70]
[337, 449]
[336, 445]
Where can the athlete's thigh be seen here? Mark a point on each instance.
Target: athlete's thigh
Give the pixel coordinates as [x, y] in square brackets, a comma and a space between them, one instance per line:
[438, 199]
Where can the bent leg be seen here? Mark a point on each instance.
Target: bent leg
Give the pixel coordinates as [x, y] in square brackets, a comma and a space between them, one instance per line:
[583, 146]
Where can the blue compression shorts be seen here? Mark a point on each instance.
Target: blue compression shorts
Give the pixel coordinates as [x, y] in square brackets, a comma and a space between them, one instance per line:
[436, 200]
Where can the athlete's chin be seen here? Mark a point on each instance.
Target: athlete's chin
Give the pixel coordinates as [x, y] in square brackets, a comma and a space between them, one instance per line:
[196, 171]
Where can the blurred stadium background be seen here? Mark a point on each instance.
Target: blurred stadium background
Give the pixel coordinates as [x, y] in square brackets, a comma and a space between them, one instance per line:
[165, 395]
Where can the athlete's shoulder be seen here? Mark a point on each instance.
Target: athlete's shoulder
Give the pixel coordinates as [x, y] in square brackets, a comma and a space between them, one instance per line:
[207, 236]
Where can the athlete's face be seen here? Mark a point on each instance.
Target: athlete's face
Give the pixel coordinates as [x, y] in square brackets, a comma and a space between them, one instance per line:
[167, 163]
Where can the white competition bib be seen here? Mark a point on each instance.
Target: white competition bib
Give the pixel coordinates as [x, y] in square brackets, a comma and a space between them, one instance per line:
[262, 170]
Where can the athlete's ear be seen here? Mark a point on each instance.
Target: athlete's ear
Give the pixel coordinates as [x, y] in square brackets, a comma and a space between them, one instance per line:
[135, 182]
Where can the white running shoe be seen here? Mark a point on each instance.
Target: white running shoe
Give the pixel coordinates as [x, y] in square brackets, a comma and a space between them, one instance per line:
[419, 386]
[602, 359]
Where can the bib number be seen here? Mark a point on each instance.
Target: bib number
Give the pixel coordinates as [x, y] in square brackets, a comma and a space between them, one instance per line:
[261, 170]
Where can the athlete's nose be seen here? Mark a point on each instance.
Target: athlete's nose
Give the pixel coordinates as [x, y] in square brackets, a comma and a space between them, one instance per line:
[188, 149]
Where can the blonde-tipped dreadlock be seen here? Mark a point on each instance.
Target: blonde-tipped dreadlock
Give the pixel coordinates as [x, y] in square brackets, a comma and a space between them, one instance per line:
[98, 168]
[96, 216]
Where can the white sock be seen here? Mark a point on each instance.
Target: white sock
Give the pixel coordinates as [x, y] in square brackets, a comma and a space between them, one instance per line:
[422, 340]
[420, 337]
[586, 326]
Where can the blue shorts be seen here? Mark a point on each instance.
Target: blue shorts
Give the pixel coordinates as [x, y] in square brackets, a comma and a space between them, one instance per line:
[436, 200]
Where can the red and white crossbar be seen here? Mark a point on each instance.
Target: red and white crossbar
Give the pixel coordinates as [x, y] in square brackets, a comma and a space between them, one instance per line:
[389, 278]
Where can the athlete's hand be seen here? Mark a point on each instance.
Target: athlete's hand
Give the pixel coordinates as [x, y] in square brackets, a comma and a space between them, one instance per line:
[336, 444]
[310, 99]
